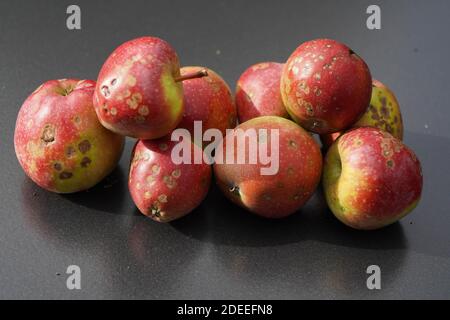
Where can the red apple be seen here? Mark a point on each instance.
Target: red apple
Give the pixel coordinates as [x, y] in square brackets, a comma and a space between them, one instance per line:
[59, 141]
[162, 189]
[139, 91]
[383, 113]
[209, 100]
[288, 187]
[325, 86]
[258, 92]
[371, 179]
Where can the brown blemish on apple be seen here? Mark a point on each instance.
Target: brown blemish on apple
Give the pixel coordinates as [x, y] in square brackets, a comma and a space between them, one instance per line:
[143, 110]
[390, 163]
[154, 210]
[84, 146]
[267, 197]
[57, 166]
[70, 152]
[303, 87]
[163, 146]
[176, 173]
[134, 100]
[131, 81]
[147, 194]
[77, 120]
[155, 169]
[105, 91]
[48, 134]
[317, 91]
[292, 144]
[234, 189]
[85, 162]
[309, 109]
[169, 182]
[113, 111]
[65, 175]
[113, 82]
[139, 119]
[290, 170]
[162, 198]
[150, 180]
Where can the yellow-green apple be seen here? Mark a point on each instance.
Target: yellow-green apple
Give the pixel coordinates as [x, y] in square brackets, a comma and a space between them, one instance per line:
[59, 141]
[383, 113]
[371, 179]
[325, 86]
[162, 188]
[293, 166]
[139, 91]
[207, 99]
[258, 92]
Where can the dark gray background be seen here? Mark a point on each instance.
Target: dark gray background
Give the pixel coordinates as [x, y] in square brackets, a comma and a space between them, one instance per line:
[220, 251]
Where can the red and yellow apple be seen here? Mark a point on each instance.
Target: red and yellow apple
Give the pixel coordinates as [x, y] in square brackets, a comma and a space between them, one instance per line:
[162, 189]
[59, 141]
[258, 92]
[207, 99]
[139, 91]
[383, 113]
[371, 179]
[285, 190]
[325, 86]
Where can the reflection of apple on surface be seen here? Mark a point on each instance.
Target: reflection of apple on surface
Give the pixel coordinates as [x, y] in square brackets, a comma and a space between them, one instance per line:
[258, 92]
[383, 113]
[371, 179]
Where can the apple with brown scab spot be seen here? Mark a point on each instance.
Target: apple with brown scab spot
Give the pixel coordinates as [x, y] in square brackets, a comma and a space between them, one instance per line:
[161, 188]
[371, 179]
[207, 99]
[272, 194]
[258, 92]
[383, 113]
[325, 86]
[59, 141]
[139, 91]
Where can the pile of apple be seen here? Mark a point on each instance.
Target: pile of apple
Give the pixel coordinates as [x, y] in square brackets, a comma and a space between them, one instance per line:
[70, 133]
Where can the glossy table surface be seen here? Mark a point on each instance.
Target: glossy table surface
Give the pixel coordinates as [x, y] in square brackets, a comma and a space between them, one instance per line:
[219, 250]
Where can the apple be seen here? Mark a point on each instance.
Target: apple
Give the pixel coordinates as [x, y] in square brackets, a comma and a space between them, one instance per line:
[258, 92]
[383, 113]
[162, 189]
[283, 191]
[59, 141]
[139, 91]
[371, 179]
[207, 99]
[325, 86]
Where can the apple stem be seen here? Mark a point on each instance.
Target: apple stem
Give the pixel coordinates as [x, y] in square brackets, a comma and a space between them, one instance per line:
[192, 75]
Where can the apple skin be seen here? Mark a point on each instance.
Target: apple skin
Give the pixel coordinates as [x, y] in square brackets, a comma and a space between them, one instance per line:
[258, 92]
[279, 195]
[161, 189]
[383, 113]
[136, 93]
[371, 179]
[325, 86]
[207, 99]
[59, 141]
